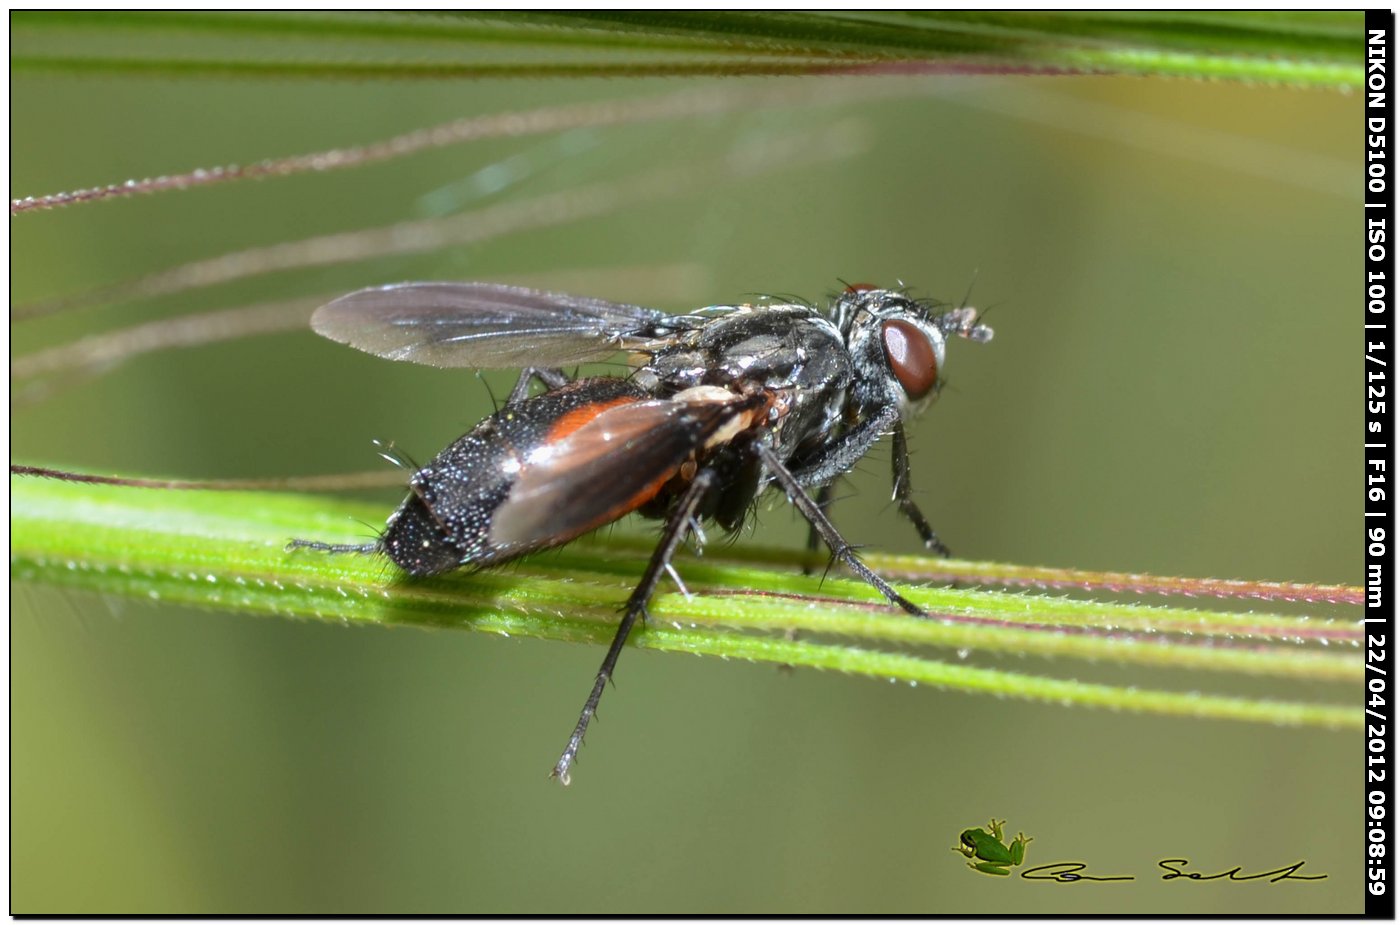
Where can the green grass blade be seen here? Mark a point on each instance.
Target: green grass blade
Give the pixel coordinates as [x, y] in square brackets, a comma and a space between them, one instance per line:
[226, 550]
[1317, 49]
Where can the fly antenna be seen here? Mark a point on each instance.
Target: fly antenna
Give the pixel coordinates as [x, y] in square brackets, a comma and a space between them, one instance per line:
[965, 322]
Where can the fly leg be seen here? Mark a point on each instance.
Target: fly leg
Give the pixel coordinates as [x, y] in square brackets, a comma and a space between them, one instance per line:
[840, 549]
[671, 535]
[551, 377]
[814, 539]
[903, 496]
[814, 542]
[362, 548]
[837, 456]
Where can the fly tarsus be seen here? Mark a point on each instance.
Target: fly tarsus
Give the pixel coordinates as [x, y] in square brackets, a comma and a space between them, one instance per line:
[840, 549]
[361, 548]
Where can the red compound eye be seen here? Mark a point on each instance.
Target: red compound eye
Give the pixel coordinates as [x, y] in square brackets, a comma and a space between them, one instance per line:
[910, 355]
[860, 287]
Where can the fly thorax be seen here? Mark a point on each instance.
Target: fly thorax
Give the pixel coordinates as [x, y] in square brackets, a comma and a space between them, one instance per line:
[675, 370]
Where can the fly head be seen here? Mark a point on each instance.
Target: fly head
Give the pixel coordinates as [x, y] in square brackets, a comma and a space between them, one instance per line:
[898, 345]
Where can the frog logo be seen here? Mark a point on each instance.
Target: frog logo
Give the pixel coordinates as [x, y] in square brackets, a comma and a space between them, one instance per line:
[988, 853]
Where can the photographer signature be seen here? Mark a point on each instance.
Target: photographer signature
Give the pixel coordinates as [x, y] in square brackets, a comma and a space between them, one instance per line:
[988, 852]
[1176, 869]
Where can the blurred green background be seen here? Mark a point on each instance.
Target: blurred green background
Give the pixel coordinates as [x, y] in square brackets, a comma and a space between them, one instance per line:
[1173, 270]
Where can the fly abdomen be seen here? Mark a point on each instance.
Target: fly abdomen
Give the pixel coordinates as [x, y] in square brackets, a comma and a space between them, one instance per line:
[445, 523]
[417, 543]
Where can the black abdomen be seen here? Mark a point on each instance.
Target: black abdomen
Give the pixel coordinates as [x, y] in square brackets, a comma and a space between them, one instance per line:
[445, 521]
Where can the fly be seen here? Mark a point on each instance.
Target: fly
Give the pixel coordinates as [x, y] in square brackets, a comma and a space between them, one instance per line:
[721, 404]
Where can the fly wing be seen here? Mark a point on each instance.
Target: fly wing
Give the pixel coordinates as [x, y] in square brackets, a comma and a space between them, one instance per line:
[607, 468]
[484, 325]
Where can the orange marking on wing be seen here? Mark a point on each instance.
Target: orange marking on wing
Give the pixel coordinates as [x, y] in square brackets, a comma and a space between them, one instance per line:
[581, 416]
[646, 493]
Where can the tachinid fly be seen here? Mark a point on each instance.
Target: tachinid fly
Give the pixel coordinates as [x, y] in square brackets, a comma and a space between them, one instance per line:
[721, 404]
